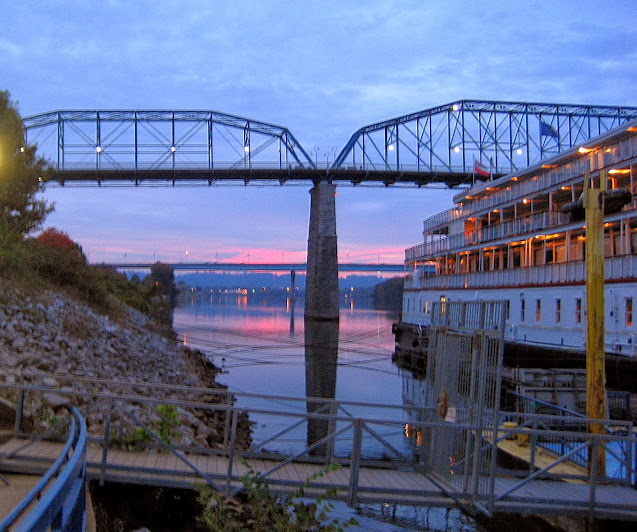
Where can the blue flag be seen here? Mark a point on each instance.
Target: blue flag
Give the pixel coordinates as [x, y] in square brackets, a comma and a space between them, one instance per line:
[547, 130]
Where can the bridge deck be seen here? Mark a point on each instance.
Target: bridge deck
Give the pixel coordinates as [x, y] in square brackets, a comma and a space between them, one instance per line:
[375, 484]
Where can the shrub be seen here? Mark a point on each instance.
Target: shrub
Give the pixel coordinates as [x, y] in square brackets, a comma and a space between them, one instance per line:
[58, 239]
[256, 509]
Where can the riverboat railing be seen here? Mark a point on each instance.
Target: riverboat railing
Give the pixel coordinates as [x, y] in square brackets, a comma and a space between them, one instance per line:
[58, 500]
[545, 179]
[519, 226]
[573, 170]
[615, 268]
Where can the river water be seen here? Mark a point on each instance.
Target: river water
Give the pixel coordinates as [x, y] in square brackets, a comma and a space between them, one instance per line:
[252, 341]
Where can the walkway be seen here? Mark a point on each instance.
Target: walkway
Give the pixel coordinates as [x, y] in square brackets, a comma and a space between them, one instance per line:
[375, 485]
[380, 459]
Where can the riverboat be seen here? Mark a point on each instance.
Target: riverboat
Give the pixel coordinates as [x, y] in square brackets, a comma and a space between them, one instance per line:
[521, 238]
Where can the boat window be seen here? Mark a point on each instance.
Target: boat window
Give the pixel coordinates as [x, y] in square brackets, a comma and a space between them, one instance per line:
[522, 310]
[578, 310]
[558, 310]
[628, 313]
[426, 306]
[516, 257]
[538, 310]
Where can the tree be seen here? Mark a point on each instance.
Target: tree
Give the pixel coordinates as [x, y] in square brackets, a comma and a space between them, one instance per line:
[22, 174]
[389, 295]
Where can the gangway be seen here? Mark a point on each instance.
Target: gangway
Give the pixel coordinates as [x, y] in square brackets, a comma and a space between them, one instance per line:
[377, 461]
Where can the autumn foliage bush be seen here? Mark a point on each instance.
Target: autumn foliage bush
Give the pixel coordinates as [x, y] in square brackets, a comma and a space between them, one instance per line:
[57, 239]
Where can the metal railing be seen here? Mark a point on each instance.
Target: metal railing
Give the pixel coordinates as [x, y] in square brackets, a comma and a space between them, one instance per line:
[519, 226]
[352, 435]
[58, 501]
[623, 267]
[614, 153]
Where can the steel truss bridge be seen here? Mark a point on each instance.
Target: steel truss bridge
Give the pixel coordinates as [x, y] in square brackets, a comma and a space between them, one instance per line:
[437, 145]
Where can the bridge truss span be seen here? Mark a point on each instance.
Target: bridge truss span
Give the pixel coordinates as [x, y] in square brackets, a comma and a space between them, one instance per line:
[461, 136]
[136, 143]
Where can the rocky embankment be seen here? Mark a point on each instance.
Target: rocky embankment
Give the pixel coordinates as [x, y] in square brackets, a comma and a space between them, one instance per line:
[65, 346]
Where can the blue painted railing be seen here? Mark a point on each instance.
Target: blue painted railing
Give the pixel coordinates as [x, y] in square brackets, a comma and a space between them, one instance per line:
[62, 506]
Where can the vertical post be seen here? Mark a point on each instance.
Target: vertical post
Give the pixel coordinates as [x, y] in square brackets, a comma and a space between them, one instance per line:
[355, 462]
[210, 143]
[233, 439]
[172, 140]
[533, 446]
[226, 427]
[60, 164]
[136, 142]
[19, 412]
[292, 298]
[331, 428]
[107, 432]
[98, 141]
[595, 348]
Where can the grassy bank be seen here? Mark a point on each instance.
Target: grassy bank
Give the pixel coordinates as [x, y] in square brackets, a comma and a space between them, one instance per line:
[34, 266]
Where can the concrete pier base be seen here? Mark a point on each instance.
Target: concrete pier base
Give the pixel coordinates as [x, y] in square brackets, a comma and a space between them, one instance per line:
[321, 357]
[321, 292]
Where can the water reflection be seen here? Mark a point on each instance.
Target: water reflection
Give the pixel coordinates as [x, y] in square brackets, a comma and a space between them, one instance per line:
[321, 357]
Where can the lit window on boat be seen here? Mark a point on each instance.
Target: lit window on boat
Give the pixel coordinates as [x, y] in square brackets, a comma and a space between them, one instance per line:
[558, 310]
[426, 306]
[628, 313]
[538, 310]
[578, 310]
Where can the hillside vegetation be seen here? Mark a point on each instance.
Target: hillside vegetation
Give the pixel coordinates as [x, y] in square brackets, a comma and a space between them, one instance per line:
[53, 262]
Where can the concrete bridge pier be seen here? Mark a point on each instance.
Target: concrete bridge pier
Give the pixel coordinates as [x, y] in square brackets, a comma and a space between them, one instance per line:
[321, 292]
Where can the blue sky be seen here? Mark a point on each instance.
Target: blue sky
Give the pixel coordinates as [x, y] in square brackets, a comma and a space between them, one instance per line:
[322, 69]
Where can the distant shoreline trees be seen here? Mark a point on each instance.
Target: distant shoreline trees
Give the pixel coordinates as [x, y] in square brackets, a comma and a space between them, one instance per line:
[389, 295]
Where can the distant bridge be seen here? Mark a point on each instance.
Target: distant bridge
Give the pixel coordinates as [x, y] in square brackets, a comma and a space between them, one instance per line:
[258, 266]
[440, 145]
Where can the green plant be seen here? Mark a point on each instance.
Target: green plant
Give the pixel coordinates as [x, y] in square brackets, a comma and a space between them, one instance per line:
[256, 509]
[136, 438]
[165, 426]
[168, 421]
[44, 414]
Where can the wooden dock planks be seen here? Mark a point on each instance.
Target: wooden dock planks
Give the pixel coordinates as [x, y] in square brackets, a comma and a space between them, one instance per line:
[375, 484]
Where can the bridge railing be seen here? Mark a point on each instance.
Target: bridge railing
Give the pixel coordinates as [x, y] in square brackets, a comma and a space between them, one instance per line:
[320, 431]
[58, 500]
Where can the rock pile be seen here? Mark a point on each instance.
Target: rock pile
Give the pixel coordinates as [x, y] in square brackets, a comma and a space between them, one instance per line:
[65, 346]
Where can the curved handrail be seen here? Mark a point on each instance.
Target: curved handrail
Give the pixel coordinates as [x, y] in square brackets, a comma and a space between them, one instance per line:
[64, 502]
